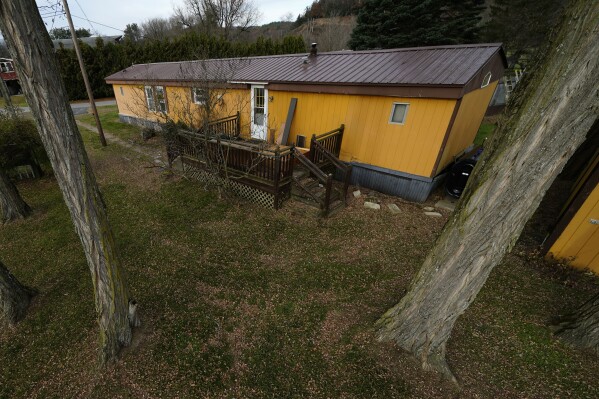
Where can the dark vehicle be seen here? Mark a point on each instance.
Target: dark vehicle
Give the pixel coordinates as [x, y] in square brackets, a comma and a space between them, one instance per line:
[458, 177]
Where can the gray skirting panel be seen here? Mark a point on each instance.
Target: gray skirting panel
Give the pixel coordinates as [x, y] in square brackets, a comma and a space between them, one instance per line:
[404, 185]
[139, 122]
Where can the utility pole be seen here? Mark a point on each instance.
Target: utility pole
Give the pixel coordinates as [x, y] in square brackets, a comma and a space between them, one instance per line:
[90, 94]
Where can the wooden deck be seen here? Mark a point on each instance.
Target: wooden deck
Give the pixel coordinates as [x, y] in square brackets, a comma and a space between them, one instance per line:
[219, 150]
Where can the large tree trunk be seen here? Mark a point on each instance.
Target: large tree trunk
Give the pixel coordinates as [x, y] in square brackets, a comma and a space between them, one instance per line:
[581, 328]
[12, 206]
[549, 118]
[14, 297]
[31, 49]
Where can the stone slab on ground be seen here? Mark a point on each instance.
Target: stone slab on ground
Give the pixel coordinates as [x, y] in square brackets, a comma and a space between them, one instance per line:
[357, 194]
[428, 209]
[372, 205]
[446, 204]
[433, 214]
[394, 209]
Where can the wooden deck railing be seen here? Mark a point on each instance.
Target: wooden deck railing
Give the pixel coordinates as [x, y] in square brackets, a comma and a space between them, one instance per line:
[325, 150]
[325, 179]
[345, 169]
[268, 169]
[331, 141]
[227, 127]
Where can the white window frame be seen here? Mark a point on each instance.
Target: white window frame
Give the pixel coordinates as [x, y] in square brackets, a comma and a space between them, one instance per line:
[160, 101]
[199, 100]
[155, 103]
[486, 80]
[150, 102]
[405, 115]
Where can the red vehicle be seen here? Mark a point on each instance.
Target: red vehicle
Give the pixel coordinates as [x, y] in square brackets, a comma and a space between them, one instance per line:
[8, 74]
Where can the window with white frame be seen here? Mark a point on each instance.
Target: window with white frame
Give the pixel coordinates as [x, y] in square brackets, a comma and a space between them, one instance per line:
[399, 111]
[160, 99]
[199, 96]
[486, 80]
[155, 98]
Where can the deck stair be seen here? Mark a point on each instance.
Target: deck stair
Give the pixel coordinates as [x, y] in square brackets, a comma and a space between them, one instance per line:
[312, 182]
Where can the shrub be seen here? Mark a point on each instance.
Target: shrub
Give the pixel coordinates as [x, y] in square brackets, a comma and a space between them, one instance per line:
[20, 143]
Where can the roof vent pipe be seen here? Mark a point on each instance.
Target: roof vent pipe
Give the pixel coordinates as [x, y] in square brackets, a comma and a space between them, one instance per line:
[313, 50]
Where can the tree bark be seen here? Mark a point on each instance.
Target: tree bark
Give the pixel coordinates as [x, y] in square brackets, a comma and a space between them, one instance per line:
[35, 61]
[581, 328]
[14, 297]
[12, 206]
[548, 119]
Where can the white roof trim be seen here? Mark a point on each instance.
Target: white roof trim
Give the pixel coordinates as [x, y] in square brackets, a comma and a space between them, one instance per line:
[248, 83]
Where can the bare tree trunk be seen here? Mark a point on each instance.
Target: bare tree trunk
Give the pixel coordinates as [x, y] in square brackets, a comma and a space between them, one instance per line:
[581, 328]
[12, 206]
[14, 297]
[549, 118]
[7, 100]
[30, 47]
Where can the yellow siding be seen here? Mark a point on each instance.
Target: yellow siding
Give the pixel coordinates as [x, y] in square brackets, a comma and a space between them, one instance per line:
[131, 101]
[180, 106]
[465, 127]
[580, 240]
[369, 137]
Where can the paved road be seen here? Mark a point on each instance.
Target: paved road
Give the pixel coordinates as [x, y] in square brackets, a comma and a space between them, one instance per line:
[80, 108]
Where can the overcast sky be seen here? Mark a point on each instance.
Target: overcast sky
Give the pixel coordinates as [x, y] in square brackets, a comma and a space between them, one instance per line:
[107, 14]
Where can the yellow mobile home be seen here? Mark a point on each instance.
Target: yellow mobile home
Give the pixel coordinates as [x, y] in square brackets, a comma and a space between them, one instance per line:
[575, 237]
[407, 113]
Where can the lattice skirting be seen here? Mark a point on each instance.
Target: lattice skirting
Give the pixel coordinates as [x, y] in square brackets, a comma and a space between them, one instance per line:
[252, 194]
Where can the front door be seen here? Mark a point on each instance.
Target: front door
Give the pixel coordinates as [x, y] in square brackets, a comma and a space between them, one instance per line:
[259, 112]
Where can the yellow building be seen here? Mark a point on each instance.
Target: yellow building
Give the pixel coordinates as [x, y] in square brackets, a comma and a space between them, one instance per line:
[575, 237]
[407, 113]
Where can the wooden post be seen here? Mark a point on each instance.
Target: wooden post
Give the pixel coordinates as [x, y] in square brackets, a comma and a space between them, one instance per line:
[238, 125]
[346, 183]
[312, 147]
[327, 197]
[90, 94]
[277, 176]
[339, 140]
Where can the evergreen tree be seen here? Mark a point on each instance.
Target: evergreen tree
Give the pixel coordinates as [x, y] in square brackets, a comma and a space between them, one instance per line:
[132, 32]
[65, 33]
[522, 26]
[409, 23]
[107, 58]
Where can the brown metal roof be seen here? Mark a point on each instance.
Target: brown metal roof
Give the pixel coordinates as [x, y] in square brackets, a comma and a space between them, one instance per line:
[447, 66]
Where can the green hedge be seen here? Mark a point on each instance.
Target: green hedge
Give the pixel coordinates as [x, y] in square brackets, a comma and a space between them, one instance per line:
[107, 58]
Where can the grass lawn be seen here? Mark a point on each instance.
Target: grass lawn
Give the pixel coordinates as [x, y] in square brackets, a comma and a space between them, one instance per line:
[109, 118]
[17, 101]
[240, 301]
[484, 131]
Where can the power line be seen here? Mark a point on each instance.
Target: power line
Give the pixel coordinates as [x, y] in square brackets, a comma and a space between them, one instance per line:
[98, 23]
[55, 9]
[90, 23]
